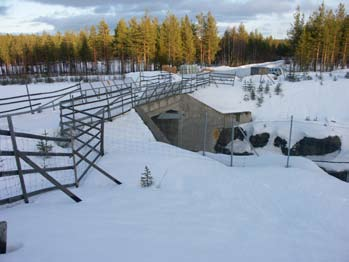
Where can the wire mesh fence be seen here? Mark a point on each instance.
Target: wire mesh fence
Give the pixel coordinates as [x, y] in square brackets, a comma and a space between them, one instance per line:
[24, 155]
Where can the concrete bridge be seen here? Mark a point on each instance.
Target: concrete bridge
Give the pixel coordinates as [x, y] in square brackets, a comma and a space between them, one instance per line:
[180, 121]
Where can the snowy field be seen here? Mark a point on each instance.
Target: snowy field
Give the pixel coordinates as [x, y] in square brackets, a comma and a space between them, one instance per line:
[202, 211]
[199, 208]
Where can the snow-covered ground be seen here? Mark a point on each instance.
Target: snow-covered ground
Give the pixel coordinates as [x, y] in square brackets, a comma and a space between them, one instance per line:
[199, 208]
[202, 211]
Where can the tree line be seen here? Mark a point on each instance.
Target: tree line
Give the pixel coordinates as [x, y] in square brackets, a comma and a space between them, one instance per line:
[238, 47]
[321, 42]
[137, 41]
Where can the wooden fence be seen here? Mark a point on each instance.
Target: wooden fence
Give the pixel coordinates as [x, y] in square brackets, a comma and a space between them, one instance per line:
[36, 102]
[82, 121]
[78, 151]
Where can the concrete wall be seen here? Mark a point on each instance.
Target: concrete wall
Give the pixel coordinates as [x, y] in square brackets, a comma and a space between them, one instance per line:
[188, 131]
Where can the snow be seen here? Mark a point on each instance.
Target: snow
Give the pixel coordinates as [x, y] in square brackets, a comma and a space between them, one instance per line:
[137, 75]
[297, 99]
[203, 210]
[245, 70]
[319, 110]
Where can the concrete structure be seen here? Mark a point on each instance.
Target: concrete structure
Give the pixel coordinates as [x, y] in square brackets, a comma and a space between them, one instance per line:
[181, 119]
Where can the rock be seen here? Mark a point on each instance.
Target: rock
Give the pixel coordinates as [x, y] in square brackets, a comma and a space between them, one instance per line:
[225, 138]
[260, 140]
[309, 146]
[281, 143]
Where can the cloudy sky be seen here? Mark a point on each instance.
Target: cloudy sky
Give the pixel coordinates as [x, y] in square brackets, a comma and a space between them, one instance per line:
[270, 17]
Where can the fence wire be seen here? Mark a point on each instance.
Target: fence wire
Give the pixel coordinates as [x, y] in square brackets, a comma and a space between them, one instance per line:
[9, 181]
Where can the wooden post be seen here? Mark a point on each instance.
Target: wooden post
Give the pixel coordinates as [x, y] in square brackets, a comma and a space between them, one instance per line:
[205, 134]
[122, 103]
[74, 159]
[61, 118]
[232, 141]
[97, 168]
[48, 177]
[3, 237]
[102, 136]
[30, 102]
[289, 143]
[18, 161]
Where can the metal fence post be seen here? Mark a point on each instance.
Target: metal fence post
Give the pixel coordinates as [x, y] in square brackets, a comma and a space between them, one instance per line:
[232, 142]
[74, 159]
[205, 134]
[102, 135]
[3, 237]
[30, 102]
[61, 117]
[18, 161]
[289, 143]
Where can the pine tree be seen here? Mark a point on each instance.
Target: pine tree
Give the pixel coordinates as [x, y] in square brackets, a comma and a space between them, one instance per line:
[188, 42]
[250, 85]
[146, 178]
[170, 41]
[295, 32]
[84, 50]
[252, 94]
[267, 88]
[135, 37]
[245, 86]
[278, 89]
[200, 37]
[260, 88]
[104, 41]
[121, 43]
[93, 43]
[260, 100]
[43, 146]
[211, 39]
[148, 35]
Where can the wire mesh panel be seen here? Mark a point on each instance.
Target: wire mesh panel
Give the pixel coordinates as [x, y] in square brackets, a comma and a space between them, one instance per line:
[30, 155]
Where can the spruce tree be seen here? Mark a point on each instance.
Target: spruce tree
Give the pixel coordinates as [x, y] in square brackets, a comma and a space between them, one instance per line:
[146, 178]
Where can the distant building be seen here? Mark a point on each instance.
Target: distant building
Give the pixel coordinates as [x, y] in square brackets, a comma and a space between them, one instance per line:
[262, 70]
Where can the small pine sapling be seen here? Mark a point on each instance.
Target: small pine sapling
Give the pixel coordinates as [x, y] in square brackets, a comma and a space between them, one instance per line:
[267, 88]
[244, 86]
[250, 85]
[252, 95]
[246, 97]
[43, 146]
[260, 89]
[278, 89]
[146, 178]
[260, 100]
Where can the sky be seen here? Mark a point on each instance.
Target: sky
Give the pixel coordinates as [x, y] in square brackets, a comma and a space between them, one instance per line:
[270, 17]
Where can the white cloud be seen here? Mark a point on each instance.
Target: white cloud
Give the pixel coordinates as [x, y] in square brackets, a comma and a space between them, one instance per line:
[270, 17]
